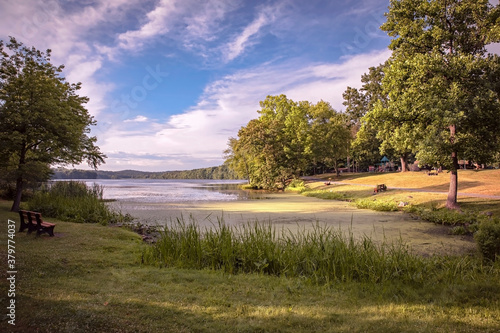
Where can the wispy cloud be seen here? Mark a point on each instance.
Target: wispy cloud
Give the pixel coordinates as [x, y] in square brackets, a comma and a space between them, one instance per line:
[138, 119]
[46, 24]
[199, 136]
[158, 23]
[244, 40]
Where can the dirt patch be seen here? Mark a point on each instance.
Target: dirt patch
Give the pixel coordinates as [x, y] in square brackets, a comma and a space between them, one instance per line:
[293, 212]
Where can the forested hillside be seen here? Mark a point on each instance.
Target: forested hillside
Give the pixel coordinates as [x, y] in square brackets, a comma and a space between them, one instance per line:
[218, 172]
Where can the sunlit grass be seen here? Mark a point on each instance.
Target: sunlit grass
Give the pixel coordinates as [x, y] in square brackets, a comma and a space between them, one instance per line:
[88, 278]
[485, 182]
[471, 181]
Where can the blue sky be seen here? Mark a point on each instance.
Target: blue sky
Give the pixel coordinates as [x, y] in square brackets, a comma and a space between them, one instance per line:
[170, 81]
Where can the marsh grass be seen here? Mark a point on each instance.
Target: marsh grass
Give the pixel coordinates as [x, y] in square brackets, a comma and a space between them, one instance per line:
[74, 201]
[322, 254]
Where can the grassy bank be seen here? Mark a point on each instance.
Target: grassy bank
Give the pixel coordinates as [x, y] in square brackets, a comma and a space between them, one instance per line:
[416, 193]
[422, 202]
[352, 187]
[89, 278]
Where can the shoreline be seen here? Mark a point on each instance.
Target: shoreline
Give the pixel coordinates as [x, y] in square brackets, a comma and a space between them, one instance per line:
[292, 211]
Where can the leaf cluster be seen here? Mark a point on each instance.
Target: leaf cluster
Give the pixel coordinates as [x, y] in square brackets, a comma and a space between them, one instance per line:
[288, 138]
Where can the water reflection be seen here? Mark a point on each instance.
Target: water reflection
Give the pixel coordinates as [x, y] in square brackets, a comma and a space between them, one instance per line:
[172, 191]
[235, 189]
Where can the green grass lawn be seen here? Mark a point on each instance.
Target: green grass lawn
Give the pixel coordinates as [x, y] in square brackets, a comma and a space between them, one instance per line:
[89, 278]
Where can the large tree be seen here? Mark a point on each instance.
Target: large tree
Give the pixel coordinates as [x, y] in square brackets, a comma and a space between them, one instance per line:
[273, 148]
[443, 86]
[366, 146]
[43, 120]
[330, 135]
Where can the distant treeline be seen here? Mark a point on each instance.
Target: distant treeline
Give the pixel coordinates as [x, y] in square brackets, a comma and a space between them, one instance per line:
[218, 172]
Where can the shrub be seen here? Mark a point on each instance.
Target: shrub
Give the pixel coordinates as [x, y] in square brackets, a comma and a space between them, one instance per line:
[296, 185]
[378, 205]
[444, 216]
[75, 202]
[488, 239]
[328, 195]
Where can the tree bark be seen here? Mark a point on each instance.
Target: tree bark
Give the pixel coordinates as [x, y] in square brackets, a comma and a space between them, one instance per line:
[19, 193]
[19, 180]
[403, 164]
[451, 201]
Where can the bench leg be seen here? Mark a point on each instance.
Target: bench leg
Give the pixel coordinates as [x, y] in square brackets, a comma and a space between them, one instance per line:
[49, 230]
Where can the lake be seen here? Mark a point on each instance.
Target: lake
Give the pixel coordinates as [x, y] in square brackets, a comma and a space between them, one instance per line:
[170, 190]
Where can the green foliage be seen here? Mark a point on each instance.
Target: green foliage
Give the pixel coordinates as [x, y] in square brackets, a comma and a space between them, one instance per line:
[297, 185]
[442, 85]
[444, 216]
[327, 195]
[488, 239]
[366, 147]
[378, 205]
[75, 202]
[330, 135]
[43, 121]
[287, 139]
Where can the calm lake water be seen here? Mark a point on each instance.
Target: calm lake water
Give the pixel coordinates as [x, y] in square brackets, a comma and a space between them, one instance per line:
[169, 190]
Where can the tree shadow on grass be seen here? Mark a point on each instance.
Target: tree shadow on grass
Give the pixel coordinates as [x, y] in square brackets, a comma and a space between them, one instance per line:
[367, 313]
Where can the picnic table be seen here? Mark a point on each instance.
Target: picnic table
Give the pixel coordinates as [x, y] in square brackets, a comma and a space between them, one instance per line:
[380, 188]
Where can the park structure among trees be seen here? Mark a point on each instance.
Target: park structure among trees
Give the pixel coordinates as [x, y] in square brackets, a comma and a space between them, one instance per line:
[43, 120]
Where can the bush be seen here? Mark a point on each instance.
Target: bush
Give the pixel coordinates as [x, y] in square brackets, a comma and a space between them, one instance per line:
[327, 195]
[488, 239]
[296, 185]
[378, 205]
[75, 202]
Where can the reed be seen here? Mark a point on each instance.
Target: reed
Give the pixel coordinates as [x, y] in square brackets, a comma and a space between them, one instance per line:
[74, 201]
[322, 254]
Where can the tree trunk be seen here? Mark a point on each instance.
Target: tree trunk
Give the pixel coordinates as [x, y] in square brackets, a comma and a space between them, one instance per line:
[451, 201]
[19, 193]
[403, 164]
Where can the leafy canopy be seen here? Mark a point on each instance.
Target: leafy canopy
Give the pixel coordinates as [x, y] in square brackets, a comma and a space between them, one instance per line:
[43, 120]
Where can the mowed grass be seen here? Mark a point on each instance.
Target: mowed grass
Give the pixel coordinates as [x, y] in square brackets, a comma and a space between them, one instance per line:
[89, 278]
[483, 182]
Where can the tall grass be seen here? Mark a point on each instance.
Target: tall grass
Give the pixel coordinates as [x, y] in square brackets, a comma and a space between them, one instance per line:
[74, 201]
[321, 254]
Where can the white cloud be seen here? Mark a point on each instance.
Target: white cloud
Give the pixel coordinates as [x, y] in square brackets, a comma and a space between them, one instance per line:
[158, 23]
[266, 16]
[198, 137]
[138, 119]
[44, 24]
[242, 41]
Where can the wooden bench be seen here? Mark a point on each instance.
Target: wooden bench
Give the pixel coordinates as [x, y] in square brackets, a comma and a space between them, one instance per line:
[380, 188]
[33, 222]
